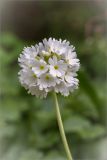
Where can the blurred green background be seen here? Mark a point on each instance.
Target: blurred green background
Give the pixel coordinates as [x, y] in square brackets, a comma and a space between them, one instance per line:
[28, 126]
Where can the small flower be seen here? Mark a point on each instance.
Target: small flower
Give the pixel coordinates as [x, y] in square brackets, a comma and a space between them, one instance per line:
[62, 88]
[39, 67]
[27, 77]
[35, 91]
[69, 76]
[49, 66]
[46, 81]
[57, 68]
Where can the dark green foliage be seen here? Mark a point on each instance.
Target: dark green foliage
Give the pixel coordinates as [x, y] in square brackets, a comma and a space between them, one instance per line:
[28, 126]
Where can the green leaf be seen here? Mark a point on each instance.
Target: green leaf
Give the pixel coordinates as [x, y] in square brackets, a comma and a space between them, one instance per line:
[11, 108]
[31, 154]
[47, 141]
[81, 104]
[13, 152]
[89, 89]
[54, 155]
[6, 130]
[46, 118]
[19, 152]
[75, 124]
[92, 132]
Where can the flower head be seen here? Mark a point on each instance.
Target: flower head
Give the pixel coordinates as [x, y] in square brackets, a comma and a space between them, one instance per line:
[49, 66]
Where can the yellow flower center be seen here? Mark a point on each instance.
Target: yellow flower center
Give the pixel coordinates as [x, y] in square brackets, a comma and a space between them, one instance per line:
[47, 77]
[56, 67]
[41, 67]
[34, 75]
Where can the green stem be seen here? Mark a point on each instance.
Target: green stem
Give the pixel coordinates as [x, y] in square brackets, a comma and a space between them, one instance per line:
[61, 128]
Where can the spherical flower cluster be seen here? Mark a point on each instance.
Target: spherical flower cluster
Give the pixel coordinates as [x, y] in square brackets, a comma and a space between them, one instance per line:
[49, 66]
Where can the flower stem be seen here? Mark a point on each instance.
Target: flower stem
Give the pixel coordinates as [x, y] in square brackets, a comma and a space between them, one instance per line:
[61, 129]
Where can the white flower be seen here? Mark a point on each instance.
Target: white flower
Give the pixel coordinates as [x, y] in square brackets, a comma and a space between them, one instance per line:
[34, 90]
[57, 68]
[46, 80]
[39, 67]
[49, 66]
[69, 75]
[62, 88]
[27, 77]
[71, 57]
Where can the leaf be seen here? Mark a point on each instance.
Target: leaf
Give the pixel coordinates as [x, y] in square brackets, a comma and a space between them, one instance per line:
[7, 130]
[82, 105]
[75, 124]
[92, 132]
[13, 152]
[31, 154]
[89, 89]
[46, 118]
[11, 108]
[54, 155]
[19, 152]
[46, 141]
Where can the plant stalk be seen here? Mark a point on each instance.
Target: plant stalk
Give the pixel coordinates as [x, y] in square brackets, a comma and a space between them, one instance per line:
[61, 129]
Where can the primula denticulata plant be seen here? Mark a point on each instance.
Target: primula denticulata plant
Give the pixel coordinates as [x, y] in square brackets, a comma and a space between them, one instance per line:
[50, 66]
